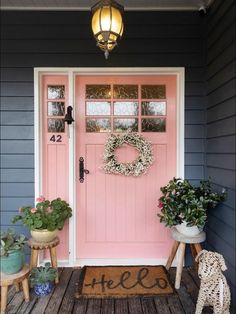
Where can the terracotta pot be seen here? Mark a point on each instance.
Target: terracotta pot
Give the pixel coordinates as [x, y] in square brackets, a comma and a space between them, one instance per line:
[188, 231]
[43, 235]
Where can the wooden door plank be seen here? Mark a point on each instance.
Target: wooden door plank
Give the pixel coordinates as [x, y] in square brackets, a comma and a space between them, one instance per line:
[55, 301]
[148, 306]
[162, 305]
[69, 297]
[135, 306]
[108, 306]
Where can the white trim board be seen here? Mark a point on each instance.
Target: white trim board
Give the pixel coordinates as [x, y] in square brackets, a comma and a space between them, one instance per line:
[72, 72]
[107, 262]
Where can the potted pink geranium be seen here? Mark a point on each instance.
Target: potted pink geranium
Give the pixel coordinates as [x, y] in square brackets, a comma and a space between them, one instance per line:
[45, 219]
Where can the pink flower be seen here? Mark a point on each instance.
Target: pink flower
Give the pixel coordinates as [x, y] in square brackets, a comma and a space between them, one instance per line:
[49, 210]
[160, 205]
[40, 199]
[33, 210]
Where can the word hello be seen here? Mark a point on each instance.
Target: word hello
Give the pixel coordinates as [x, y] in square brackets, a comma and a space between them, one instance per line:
[125, 277]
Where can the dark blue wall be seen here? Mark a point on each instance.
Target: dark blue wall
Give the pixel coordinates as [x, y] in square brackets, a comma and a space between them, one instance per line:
[57, 39]
[158, 39]
[220, 128]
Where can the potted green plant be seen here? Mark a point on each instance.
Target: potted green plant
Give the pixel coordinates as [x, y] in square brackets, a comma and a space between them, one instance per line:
[42, 278]
[45, 219]
[12, 255]
[184, 205]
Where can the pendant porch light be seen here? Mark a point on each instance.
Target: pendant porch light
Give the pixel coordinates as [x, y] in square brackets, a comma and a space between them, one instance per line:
[107, 24]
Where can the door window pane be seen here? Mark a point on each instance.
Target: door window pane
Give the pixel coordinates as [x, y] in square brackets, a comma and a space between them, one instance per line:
[56, 92]
[56, 125]
[98, 91]
[153, 125]
[56, 108]
[153, 108]
[125, 91]
[153, 91]
[96, 108]
[98, 125]
[122, 125]
[125, 108]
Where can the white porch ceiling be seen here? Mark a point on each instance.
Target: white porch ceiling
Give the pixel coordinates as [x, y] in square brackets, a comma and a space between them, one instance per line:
[139, 5]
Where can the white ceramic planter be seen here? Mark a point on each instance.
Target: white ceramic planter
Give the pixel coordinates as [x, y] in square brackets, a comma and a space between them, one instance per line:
[188, 231]
[43, 235]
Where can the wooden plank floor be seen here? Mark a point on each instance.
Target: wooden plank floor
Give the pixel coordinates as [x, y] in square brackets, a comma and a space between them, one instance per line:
[62, 300]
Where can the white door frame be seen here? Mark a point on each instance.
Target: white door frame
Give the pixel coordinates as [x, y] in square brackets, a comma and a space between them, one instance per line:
[71, 73]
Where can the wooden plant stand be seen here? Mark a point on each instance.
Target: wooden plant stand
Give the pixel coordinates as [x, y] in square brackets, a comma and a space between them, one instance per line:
[180, 243]
[38, 246]
[14, 279]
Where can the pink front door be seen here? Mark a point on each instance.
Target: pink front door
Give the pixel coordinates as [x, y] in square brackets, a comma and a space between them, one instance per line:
[54, 147]
[117, 215]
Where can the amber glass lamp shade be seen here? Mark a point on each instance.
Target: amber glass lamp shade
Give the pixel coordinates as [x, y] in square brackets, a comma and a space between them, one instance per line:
[107, 24]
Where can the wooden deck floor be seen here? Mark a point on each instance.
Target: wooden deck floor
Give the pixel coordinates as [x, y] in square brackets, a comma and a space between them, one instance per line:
[62, 300]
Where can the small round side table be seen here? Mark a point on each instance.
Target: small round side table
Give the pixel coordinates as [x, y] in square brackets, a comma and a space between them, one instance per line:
[38, 246]
[14, 279]
[180, 242]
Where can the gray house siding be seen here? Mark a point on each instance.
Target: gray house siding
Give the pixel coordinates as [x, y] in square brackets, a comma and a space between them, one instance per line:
[64, 39]
[158, 39]
[57, 39]
[220, 128]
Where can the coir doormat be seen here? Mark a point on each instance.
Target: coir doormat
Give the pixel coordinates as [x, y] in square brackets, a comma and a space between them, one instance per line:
[123, 281]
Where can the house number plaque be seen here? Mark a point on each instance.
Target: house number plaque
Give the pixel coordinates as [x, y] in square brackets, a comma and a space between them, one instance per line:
[56, 138]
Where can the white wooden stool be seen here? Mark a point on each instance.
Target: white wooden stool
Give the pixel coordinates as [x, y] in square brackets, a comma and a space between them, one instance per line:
[180, 242]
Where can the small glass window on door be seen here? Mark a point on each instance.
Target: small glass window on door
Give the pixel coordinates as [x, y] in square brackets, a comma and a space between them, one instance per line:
[98, 108]
[55, 108]
[118, 108]
[153, 108]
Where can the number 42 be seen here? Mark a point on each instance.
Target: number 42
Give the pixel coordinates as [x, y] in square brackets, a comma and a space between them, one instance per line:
[56, 138]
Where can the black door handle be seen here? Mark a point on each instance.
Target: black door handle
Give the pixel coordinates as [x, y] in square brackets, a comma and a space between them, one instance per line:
[82, 171]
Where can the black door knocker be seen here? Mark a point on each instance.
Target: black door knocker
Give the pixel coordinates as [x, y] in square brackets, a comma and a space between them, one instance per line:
[68, 117]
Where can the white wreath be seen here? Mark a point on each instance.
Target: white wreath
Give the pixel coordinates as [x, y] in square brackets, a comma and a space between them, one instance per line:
[135, 168]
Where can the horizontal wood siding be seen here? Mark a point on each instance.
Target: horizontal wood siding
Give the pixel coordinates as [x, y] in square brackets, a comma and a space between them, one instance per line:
[220, 129]
[57, 39]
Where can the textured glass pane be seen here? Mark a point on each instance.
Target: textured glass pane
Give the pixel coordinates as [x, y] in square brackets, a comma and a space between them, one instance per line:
[125, 108]
[98, 91]
[96, 108]
[153, 91]
[56, 108]
[153, 108]
[98, 125]
[56, 91]
[56, 125]
[153, 125]
[126, 91]
[122, 125]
